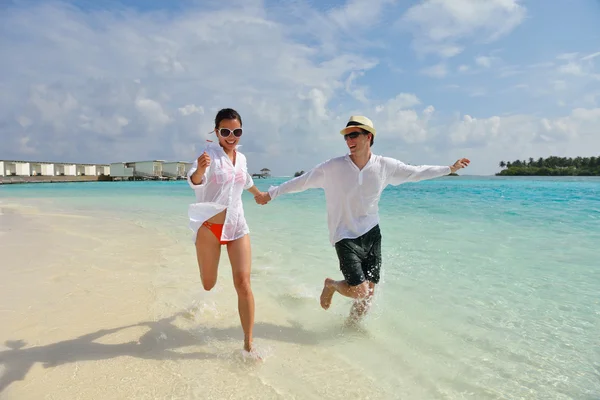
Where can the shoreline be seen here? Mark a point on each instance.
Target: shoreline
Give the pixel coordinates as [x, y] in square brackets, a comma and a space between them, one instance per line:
[73, 179]
[15, 180]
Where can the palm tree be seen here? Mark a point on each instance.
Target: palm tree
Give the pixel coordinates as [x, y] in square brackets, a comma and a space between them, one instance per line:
[502, 164]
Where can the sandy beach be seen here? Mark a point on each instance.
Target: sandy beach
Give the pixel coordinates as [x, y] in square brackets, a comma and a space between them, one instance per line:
[88, 312]
[76, 321]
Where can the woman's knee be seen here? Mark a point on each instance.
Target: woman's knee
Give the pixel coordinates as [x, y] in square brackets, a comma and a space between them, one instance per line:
[208, 284]
[242, 285]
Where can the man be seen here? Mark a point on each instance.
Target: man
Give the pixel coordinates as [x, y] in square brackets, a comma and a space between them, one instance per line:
[353, 185]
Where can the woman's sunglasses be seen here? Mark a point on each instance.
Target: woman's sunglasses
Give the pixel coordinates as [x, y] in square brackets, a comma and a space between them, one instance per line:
[224, 132]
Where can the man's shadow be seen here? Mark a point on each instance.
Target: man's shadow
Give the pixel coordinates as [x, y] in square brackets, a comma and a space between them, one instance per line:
[157, 343]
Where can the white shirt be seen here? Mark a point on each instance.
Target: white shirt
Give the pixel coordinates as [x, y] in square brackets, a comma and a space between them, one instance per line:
[352, 195]
[221, 188]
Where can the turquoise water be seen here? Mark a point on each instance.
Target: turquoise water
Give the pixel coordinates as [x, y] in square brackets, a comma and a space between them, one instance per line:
[490, 285]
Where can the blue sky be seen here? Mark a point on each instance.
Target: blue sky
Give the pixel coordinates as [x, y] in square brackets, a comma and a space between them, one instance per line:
[441, 79]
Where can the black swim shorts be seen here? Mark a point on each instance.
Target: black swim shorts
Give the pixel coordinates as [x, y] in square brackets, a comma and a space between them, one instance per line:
[360, 258]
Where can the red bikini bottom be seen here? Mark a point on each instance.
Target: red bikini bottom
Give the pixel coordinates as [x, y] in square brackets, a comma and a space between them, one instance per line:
[216, 229]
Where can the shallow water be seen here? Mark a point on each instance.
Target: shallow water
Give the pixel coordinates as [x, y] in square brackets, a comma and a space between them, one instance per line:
[489, 290]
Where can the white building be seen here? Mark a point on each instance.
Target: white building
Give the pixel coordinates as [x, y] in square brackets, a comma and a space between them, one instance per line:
[175, 169]
[103, 169]
[23, 168]
[7, 168]
[121, 169]
[143, 169]
[70, 170]
[48, 169]
[89, 170]
[35, 168]
[61, 169]
[149, 168]
[42, 168]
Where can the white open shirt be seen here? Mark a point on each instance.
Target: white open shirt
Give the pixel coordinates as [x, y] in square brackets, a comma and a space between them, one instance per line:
[221, 188]
[352, 195]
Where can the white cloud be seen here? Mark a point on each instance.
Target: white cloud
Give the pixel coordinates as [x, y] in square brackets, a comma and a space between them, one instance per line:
[435, 71]
[152, 110]
[24, 147]
[437, 24]
[567, 56]
[24, 121]
[579, 66]
[358, 13]
[571, 68]
[356, 91]
[396, 121]
[191, 109]
[483, 61]
[463, 68]
[472, 129]
[401, 101]
[94, 84]
[591, 56]
[88, 86]
[525, 129]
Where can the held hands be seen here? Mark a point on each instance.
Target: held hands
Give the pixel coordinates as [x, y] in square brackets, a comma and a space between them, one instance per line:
[262, 198]
[462, 163]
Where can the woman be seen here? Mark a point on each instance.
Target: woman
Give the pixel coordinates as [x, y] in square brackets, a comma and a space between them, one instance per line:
[219, 177]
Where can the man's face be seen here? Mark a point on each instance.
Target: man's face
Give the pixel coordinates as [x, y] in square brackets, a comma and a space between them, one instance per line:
[357, 140]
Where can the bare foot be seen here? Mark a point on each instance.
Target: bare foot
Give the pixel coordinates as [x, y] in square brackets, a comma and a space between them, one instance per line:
[250, 352]
[327, 293]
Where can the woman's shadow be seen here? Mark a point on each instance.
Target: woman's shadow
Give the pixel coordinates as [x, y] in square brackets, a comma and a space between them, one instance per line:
[157, 344]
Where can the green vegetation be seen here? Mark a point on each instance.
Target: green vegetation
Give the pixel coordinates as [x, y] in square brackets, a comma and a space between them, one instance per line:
[298, 173]
[552, 166]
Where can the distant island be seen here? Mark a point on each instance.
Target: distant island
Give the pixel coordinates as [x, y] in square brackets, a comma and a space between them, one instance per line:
[552, 166]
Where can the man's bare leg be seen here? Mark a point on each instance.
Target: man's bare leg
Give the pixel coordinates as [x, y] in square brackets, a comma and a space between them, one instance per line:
[330, 287]
[361, 307]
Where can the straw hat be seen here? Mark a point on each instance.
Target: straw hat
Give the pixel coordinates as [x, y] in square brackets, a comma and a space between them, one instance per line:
[358, 121]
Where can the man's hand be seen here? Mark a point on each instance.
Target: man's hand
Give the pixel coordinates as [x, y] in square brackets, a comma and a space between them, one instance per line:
[462, 163]
[262, 198]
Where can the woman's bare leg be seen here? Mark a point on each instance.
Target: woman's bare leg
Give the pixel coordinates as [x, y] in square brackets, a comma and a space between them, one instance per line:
[208, 252]
[240, 257]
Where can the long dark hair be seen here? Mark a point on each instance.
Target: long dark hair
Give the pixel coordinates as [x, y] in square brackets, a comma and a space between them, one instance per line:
[227, 113]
